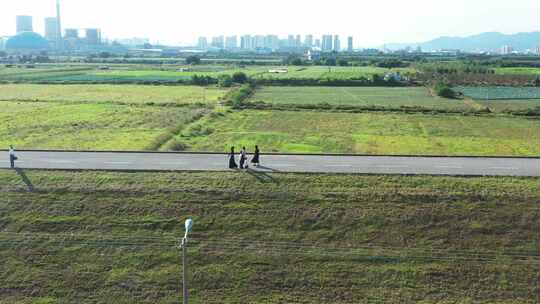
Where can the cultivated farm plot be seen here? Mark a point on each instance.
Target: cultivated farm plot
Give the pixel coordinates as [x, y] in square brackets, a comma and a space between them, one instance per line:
[371, 133]
[518, 71]
[122, 94]
[501, 93]
[385, 97]
[322, 72]
[53, 125]
[500, 99]
[120, 73]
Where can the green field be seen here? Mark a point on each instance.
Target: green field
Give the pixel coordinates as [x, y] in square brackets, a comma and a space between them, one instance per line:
[117, 73]
[322, 72]
[501, 93]
[123, 94]
[518, 71]
[53, 125]
[91, 237]
[385, 97]
[120, 73]
[510, 105]
[371, 133]
[501, 99]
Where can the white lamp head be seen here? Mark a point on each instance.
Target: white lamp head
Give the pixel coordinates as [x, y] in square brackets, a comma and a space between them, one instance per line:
[188, 224]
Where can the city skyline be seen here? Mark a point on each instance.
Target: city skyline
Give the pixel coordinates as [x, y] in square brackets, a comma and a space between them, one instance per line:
[182, 24]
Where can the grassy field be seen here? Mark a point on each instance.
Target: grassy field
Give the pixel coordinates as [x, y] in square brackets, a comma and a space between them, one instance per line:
[500, 99]
[90, 237]
[510, 105]
[120, 73]
[175, 73]
[357, 96]
[371, 133]
[54, 125]
[322, 72]
[123, 94]
[518, 71]
[501, 93]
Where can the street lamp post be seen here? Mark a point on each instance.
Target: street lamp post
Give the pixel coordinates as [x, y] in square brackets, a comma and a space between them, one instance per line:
[188, 225]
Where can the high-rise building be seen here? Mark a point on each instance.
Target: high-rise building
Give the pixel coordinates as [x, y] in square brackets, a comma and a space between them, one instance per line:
[51, 29]
[327, 43]
[202, 43]
[258, 42]
[298, 42]
[308, 42]
[231, 42]
[337, 43]
[24, 24]
[271, 42]
[218, 42]
[291, 41]
[246, 42]
[93, 36]
[538, 50]
[318, 43]
[506, 50]
[350, 45]
[71, 33]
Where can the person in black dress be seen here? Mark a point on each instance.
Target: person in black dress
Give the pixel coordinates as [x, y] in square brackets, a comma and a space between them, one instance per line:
[232, 160]
[256, 157]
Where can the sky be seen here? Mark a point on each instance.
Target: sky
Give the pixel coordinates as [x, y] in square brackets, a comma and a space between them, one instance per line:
[371, 23]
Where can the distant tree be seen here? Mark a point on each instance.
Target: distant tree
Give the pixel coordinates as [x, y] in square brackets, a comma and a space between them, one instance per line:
[537, 82]
[297, 61]
[240, 77]
[193, 59]
[202, 80]
[391, 63]
[376, 79]
[343, 62]
[330, 61]
[225, 81]
[42, 59]
[104, 55]
[293, 60]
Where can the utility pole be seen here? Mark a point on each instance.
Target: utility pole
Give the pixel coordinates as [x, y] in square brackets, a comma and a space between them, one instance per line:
[188, 225]
[184, 271]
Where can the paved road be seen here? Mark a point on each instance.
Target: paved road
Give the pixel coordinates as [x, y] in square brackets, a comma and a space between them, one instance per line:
[281, 163]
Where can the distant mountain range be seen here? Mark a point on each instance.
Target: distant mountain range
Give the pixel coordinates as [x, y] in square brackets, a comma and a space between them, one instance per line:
[486, 42]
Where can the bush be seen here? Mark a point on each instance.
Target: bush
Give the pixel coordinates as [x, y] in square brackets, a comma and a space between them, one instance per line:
[159, 141]
[343, 62]
[175, 145]
[225, 81]
[193, 60]
[240, 77]
[444, 90]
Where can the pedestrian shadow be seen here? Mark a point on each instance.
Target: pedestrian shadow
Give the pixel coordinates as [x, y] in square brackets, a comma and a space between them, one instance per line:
[25, 179]
[268, 169]
[261, 176]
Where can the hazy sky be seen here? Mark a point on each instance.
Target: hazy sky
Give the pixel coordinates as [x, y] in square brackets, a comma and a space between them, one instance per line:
[372, 23]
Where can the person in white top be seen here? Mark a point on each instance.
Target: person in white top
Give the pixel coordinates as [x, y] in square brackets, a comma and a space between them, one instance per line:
[243, 158]
[12, 157]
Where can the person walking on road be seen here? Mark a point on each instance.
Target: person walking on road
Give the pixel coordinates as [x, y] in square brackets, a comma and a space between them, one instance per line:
[232, 160]
[12, 157]
[243, 159]
[256, 157]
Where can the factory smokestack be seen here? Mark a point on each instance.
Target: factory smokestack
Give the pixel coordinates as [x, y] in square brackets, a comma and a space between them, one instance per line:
[59, 41]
